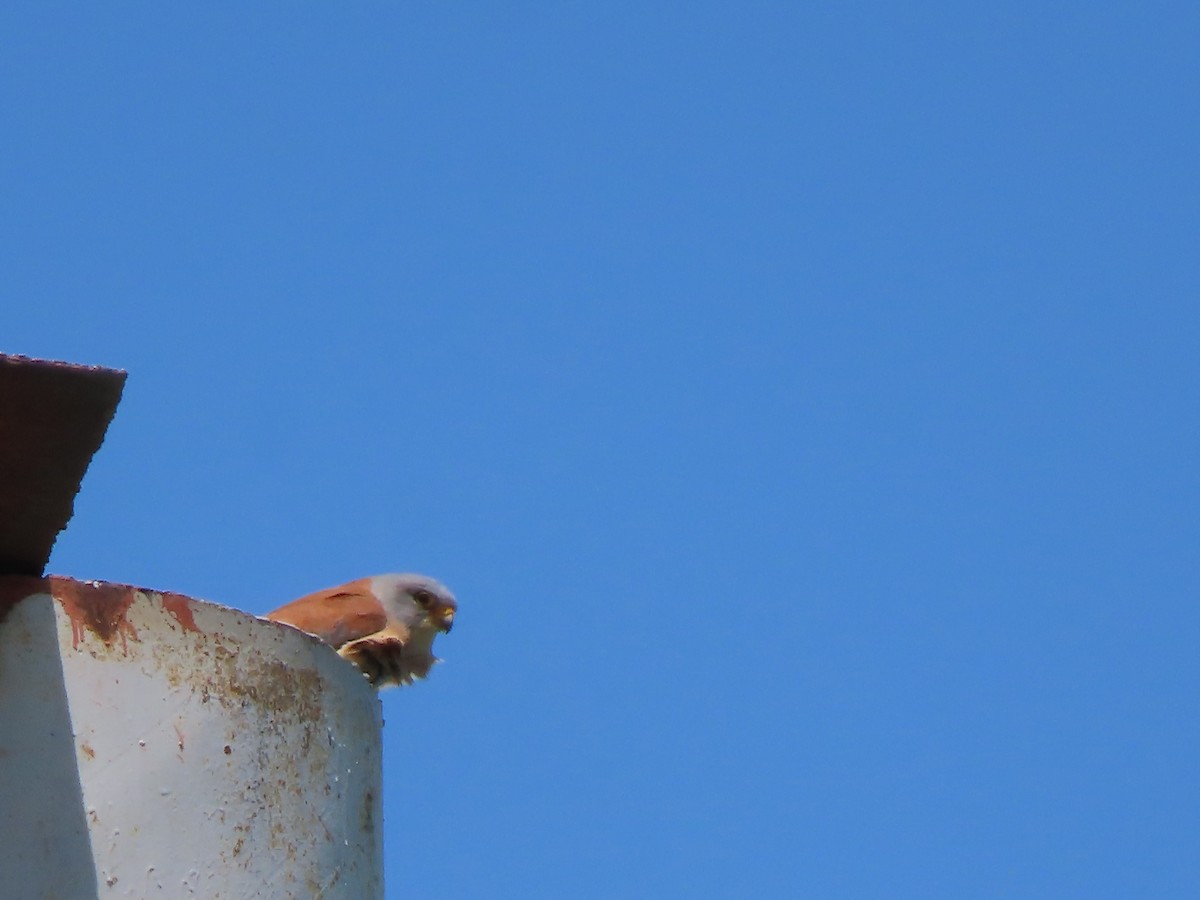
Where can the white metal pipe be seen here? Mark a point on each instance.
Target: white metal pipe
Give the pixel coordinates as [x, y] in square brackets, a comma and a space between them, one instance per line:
[157, 746]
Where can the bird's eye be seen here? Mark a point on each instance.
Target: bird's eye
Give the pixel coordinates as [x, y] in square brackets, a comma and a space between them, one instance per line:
[423, 597]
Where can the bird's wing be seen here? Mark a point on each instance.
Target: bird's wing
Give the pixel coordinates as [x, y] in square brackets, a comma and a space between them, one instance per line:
[335, 615]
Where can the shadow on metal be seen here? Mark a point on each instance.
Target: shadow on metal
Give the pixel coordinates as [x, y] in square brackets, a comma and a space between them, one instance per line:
[46, 839]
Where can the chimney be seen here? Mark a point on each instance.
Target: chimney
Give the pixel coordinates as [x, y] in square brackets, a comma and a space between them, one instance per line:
[152, 744]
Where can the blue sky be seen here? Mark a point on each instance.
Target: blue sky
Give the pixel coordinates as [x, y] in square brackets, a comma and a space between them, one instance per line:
[801, 399]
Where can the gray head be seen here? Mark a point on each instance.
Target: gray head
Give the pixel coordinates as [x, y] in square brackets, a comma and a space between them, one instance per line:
[416, 600]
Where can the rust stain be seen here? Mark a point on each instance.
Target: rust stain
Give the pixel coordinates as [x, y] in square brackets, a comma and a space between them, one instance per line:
[97, 607]
[180, 607]
[368, 813]
[87, 750]
[236, 681]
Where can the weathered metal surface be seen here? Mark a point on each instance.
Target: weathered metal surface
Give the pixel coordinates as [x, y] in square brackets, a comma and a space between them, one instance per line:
[53, 417]
[157, 746]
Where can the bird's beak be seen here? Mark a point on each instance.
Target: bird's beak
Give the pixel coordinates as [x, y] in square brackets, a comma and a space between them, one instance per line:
[447, 621]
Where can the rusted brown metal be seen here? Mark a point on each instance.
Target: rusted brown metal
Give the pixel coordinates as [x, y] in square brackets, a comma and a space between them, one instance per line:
[53, 417]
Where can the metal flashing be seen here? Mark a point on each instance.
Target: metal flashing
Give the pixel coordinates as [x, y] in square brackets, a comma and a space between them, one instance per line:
[53, 417]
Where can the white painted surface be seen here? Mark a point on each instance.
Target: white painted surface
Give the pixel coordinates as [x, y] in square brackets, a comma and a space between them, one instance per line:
[233, 759]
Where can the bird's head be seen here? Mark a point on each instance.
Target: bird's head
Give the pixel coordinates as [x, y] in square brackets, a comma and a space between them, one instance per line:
[417, 600]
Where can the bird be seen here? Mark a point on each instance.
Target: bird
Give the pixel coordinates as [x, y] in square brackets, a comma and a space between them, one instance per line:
[384, 624]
